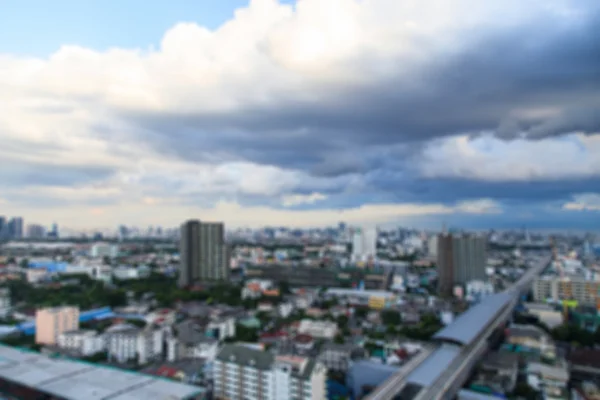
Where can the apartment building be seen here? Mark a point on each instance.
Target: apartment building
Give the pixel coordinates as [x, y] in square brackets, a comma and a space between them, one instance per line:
[51, 322]
[460, 259]
[558, 288]
[318, 329]
[5, 304]
[245, 373]
[126, 343]
[83, 342]
[339, 357]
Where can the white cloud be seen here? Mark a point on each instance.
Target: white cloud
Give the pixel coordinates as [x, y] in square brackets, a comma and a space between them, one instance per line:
[298, 199]
[584, 202]
[492, 159]
[54, 110]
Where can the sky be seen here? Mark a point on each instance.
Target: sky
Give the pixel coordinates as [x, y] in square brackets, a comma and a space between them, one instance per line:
[307, 113]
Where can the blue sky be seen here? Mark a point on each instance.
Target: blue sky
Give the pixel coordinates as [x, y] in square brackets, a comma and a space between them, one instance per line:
[34, 27]
[480, 114]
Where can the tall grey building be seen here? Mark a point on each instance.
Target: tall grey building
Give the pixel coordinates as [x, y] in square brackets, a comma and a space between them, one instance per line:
[460, 259]
[204, 254]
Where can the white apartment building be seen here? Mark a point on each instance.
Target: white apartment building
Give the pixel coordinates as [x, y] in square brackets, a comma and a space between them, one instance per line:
[221, 328]
[5, 304]
[364, 244]
[126, 343]
[244, 373]
[99, 250]
[84, 342]
[36, 275]
[318, 329]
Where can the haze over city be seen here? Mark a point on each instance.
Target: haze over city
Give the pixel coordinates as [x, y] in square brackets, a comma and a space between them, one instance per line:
[480, 114]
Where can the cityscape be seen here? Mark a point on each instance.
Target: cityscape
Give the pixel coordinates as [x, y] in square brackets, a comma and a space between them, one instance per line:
[300, 200]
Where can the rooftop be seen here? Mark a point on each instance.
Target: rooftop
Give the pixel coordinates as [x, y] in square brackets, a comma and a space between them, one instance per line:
[473, 321]
[76, 380]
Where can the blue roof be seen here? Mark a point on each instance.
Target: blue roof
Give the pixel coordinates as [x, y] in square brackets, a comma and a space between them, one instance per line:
[469, 324]
[434, 365]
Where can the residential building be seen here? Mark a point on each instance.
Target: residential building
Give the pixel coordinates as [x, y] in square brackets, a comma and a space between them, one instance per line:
[126, 343]
[100, 250]
[556, 288]
[318, 329]
[83, 342]
[460, 259]
[242, 372]
[339, 357]
[364, 244]
[5, 304]
[51, 322]
[552, 380]
[35, 231]
[498, 372]
[204, 256]
[533, 338]
[36, 275]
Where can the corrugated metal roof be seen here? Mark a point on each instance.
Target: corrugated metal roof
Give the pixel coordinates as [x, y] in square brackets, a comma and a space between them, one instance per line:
[469, 324]
[434, 365]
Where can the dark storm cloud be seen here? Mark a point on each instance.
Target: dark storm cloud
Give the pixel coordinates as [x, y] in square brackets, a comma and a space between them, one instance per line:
[477, 89]
[411, 189]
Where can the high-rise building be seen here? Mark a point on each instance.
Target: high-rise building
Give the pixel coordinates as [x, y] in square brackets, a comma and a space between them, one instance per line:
[51, 322]
[35, 231]
[3, 227]
[364, 244]
[460, 259]
[15, 228]
[204, 254]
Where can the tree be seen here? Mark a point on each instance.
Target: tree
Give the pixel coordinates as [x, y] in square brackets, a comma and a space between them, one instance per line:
[390, 317]
[525, 391]
[339, 339]
[361, 312]
[284, 287]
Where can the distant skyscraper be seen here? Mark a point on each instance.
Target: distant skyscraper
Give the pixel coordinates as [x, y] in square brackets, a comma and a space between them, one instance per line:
[203, 252]
[460, 259]
[3, 227]
[15, 228]
[364, 244]
[35, 231]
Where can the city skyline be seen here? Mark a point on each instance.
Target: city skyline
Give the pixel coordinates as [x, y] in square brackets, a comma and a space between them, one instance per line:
[269, 114]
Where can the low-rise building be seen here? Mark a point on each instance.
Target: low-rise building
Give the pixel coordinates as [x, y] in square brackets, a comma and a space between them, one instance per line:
[339, 357]
[83, 342]
[552, 380]
[318, 329]
[127, 343]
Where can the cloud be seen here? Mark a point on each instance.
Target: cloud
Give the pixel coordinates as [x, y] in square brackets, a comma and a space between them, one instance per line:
[492, 159]
[361, 102]
[584, 202]
[294, 200]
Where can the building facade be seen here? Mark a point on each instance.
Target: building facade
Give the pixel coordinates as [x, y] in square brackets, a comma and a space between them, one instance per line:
[204, 253]
[460, 259]
[245, 373]
[557, 289]
[83, 342]
[129, 344]
[51, 322]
